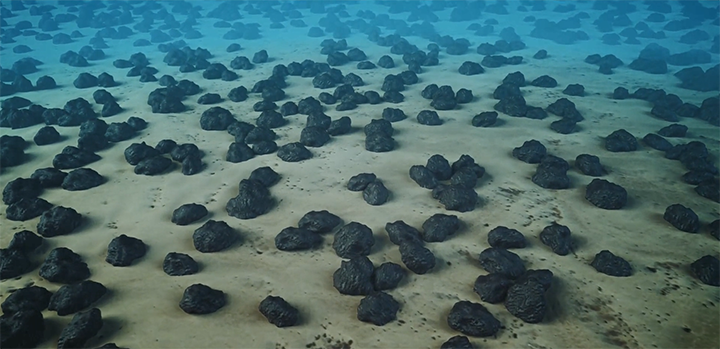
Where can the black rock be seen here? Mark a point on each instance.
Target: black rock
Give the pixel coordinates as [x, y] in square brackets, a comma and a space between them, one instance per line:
[713, 227]
[552, 173]
[213, 236]
[386, 62]
[314, 136]
[401, 233]
[119, 131]
[657, 142]
[472, 319]
[82, 327]
[393, 114]
[23, 329]
[378, 308]
[531, 152]
[70, 299]
[123, 250]
[82, 179]
[606, 195]
[58, 221]
[21, 188]
[589, 165]
[558, 238]
[682, 218]
[470, 68]
[64, 266]
[178, 264]
[458, 198]
[492, 288]
[674, 130]
[153, 165]
[297, 239]
[501, 261]
[610, 264]
[201, 299]
[423, 177]
[279, 312]
[265, 175]
[26, 208]
[33, 298]
[544, 81]
[14, 263]
[387, 276]
[457, 342]
[353, 240]
[526, 300]
[216, 119]
[137, 152]
[375, 193]
[85, 80]
[439, 227]
[429, 117]
[707, 269]
[25, 241]
[188, 213]
[253, 200]
[503, 237]
[354, 277]
[294, 152]
[575, 90]
[417, 258]
[360, 181]
[319, 221]
[239, 152]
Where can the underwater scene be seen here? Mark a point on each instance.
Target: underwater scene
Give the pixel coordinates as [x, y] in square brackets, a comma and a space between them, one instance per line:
[360, 174]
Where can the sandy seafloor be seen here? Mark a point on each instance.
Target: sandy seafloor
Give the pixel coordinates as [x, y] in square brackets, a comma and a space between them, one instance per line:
[668, 308]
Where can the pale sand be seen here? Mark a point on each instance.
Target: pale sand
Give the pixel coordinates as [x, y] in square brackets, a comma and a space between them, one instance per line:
[587, 309]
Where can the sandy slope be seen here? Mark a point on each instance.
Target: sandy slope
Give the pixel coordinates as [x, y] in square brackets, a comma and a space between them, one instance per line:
[588, 309]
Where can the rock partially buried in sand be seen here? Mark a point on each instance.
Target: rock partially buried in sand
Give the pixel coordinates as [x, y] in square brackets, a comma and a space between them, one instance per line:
[21, 188]
[294, 152]
[360, 181]
[375, 193]
[153, 166]
[265, 175]
[354, 277]
[707, 269]
[319, 221]
[589, 165]
[297, 239]
[682, 218]
[387, 276]
[213, 236]
[378, 308]
[504, 237]
[26, 209]
[557, 237]
[439, 227]
[526, 300]
[123, 250]
[81, 328]
[25, 241]
[417, 258]
[531, 152]
[472, 319]
[492, 288]
[252, 200]
[188, 213]
[457, 342]
[353, 240]
[82, 179]
[70, 299]
[621, 141]
[33, 298]
[201, 299]
[501, 261]
[551, 173]
[58, 221]
[606, 195]
[456, 197]
[178, 264]
[64, 266]
[23, 329]
[608, 263]
[13, 263]
[279, 312]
